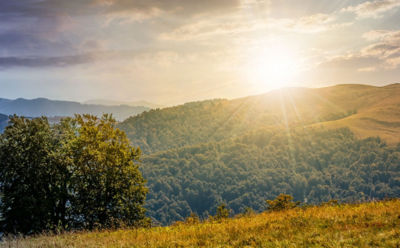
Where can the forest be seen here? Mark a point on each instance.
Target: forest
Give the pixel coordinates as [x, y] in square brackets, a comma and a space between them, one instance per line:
[313, 165]
[339, 142]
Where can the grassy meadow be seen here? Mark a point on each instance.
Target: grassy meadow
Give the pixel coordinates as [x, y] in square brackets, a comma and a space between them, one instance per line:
[375, 224]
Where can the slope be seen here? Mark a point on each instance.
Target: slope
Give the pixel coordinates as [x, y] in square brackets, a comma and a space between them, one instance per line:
[378, 113]
[359, 225]
[313, 165]
[366, 110]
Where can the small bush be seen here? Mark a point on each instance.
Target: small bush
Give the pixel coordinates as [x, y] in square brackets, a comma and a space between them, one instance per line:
[282, 202]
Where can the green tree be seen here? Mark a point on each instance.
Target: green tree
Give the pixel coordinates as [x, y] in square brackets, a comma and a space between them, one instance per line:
[222, 212]
[80, 173]
[107, 186]
[31, 179]
[282, 202]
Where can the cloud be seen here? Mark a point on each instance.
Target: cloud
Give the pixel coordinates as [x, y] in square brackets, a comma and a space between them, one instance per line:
[203, 29]
[374, 9]
[48, 8]
[310, 24]
[136, 58]
[386, 47]
[354, 62]
[37, 62]
[382, 54]
[236, 24]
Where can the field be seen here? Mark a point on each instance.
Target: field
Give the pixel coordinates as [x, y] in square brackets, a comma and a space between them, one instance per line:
[375, 224]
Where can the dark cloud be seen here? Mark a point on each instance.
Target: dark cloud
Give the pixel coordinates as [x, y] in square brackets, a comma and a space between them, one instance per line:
[24, 43]
[48, 8]
[37, 62]
[39, 33]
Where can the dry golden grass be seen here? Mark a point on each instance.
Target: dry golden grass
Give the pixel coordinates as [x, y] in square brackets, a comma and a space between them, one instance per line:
[374, 224]
[378, 110]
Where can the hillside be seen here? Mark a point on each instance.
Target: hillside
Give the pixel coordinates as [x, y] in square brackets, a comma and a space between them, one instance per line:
[310, 143]
[366, 110]
[51, 108]
[378, 111]
[360, 225]
[313, 165]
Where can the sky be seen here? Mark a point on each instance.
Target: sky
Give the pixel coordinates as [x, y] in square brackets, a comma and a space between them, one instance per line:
[174, 51]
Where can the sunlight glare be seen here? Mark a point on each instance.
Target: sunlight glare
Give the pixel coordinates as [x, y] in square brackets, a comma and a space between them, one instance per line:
[272, 68]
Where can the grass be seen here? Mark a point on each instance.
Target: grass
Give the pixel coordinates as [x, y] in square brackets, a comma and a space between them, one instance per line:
[377, 110]
[375, 224]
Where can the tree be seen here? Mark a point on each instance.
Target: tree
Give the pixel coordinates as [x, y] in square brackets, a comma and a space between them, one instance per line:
[222, 212]
[107, 186]
[282, 202]
[80, 173]
[31, 179]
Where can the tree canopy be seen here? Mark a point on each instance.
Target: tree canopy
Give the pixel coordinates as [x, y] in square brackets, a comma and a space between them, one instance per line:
[313, 165]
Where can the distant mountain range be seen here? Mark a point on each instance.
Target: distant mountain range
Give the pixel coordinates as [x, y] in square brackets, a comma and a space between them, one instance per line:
[118, 103]
[52, 108]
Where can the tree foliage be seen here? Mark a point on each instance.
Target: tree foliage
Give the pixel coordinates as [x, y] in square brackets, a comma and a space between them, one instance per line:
[282, 202]
[79, 173]
[222, 212]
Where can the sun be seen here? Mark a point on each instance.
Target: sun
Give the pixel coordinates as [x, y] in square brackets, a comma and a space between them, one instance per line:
[272, 67]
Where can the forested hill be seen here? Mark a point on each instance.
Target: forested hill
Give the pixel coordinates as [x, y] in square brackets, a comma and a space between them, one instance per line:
[51, 108]
[313, 165]
[366, 110]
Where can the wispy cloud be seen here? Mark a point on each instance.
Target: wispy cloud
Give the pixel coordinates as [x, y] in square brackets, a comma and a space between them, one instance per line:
[382, 54]
[386, 47]
[236, 24]
[374, 9]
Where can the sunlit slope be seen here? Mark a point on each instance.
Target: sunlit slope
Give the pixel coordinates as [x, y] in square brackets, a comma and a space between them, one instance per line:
[366, 225]
[367, 110]
[378, 113]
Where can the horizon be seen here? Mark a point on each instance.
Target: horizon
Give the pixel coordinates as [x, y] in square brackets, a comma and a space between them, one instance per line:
[173, 52]
[130, 103]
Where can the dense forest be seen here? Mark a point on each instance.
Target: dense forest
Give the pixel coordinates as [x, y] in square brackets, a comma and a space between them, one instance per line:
[313, 165]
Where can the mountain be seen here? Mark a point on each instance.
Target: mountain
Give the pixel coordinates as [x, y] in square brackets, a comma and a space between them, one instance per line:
[317, 144]
[3, 122]
[45, 107]
[366, 110]
[118, 103]
[378, 110]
